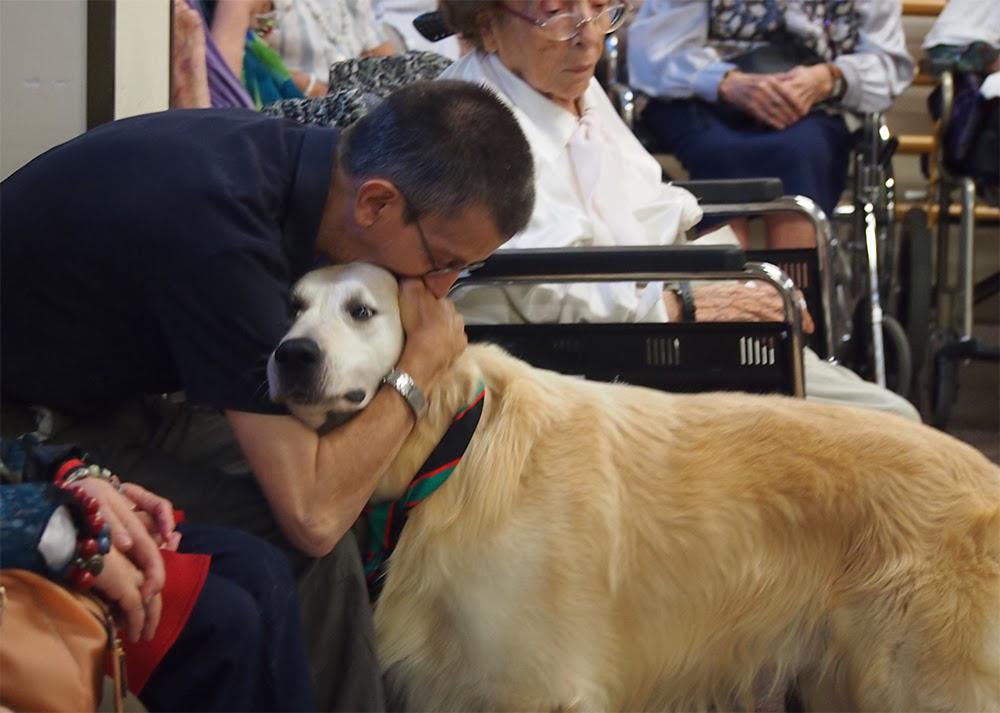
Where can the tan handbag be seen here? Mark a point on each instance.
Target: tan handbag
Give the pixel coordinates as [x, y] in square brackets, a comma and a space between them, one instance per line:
[55, 646]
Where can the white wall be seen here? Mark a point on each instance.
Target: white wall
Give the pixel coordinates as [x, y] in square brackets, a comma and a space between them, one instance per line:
[43, 70]
[142, 56]
[42, 77]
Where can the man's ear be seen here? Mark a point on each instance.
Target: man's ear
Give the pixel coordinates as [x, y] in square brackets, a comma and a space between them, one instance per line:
[377, 199]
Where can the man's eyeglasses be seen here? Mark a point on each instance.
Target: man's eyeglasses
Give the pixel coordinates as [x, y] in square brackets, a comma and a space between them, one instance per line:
[435, 268]
[567, 25]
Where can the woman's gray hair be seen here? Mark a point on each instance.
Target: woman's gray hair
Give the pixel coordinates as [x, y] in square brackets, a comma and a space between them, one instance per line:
[466, 17]
[447, 146]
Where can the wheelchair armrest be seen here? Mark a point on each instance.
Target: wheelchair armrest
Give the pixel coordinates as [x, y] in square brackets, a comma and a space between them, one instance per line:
[611, 260]
[734, 190]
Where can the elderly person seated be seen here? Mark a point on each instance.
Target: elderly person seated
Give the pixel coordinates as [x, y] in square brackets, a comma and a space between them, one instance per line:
[754, 88]
[595, 184]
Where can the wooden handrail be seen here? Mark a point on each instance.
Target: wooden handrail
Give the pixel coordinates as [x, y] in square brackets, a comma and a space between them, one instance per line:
[923, 8]
[915, 144]
[983, 213]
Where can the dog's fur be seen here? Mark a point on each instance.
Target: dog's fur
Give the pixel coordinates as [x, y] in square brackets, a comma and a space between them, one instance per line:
[607, 547]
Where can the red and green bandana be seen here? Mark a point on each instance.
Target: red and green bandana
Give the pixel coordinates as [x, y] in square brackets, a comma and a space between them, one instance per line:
[386, 520]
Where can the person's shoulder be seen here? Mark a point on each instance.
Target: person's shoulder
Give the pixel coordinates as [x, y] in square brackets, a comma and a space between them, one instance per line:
[198, 125]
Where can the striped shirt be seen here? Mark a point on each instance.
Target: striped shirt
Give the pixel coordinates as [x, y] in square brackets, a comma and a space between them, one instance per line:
[313, 34]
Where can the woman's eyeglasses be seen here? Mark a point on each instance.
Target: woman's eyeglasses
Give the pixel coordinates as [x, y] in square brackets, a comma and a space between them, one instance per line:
[567, 25]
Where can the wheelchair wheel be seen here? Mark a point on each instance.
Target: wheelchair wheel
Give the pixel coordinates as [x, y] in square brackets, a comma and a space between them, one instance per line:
[943, 388]
[914, 305]
[898, 357]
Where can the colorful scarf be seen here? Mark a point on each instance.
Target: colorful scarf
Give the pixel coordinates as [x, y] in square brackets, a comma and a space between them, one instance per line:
[386, 520]
[264, 74]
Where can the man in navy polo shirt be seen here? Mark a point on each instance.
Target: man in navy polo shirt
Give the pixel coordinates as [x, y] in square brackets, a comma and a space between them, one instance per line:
[155, 255]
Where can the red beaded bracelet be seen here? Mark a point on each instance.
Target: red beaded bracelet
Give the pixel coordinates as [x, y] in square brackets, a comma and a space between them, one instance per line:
[94, 536]
[75, 469]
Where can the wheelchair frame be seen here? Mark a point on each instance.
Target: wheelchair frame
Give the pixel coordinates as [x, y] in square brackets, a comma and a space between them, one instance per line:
[762, 356]
[953, 335]
[874, 203]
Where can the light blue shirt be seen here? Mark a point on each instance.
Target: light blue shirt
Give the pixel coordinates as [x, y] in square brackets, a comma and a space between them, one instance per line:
[671, 55]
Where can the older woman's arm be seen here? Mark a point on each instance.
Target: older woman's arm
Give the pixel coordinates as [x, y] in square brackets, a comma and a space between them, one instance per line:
[667, 52]
[880, 68]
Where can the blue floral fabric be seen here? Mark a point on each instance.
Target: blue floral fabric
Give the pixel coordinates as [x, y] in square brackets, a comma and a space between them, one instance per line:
[25, 510]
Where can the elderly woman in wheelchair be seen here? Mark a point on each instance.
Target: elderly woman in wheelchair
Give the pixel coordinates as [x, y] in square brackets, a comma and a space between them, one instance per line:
[745, 88]
[596, 184]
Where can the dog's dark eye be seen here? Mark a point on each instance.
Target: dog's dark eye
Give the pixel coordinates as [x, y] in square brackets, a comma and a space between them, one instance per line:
[360, 312]
[296, 306]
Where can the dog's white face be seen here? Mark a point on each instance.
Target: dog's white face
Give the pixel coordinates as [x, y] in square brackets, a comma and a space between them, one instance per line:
[346, 336]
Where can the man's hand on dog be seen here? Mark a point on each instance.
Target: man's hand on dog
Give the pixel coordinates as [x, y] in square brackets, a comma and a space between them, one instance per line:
[435, 333]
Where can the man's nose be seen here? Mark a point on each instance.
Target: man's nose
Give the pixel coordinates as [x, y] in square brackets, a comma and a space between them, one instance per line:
[440, 284]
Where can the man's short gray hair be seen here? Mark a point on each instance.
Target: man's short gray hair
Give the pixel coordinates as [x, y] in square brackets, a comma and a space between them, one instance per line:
[447, 146]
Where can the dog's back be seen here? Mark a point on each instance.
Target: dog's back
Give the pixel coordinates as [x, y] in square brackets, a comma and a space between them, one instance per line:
[606, 547]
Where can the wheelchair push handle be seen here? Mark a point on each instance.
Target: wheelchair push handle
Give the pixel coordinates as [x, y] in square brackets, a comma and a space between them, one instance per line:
[432, 26]
[611, 261]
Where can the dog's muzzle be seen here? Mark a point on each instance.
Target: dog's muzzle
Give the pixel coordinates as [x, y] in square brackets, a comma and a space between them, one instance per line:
[299, 366]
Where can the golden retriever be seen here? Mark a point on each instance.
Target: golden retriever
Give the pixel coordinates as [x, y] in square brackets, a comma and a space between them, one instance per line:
[608, 547]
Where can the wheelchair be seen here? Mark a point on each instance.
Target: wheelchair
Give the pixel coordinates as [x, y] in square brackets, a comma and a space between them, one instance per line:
[754, 356]
[950, 298]
[857, 254]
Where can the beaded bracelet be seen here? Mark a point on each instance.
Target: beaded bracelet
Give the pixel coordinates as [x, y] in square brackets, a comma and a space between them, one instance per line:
[93, 533]
[93, 537]
[75, 469]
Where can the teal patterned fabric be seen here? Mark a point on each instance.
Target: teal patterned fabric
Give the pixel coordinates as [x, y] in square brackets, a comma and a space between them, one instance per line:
[25, 510]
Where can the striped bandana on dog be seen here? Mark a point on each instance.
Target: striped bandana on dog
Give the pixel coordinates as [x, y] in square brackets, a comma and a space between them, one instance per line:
[386, 520]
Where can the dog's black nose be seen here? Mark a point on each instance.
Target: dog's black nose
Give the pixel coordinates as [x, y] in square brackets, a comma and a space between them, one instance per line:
[297, 353]
[355, 396]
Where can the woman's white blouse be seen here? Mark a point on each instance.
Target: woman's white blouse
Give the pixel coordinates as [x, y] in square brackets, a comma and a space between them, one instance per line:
[594, 185]
[963, 22]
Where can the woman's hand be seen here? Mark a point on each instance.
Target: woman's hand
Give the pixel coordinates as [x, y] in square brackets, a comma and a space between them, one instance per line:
[383, 50]
[128, 532]
[303, 80]
[808, 86]
[159, 509]
[120, 583]
[766, 97]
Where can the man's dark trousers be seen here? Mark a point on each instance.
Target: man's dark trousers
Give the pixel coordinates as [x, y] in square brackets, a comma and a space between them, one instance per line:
[188, 455]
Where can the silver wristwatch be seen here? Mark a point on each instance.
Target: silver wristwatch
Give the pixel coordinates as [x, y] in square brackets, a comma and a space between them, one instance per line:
[408, 389]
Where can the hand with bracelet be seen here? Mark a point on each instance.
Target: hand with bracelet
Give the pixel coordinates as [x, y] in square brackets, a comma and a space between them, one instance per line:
[58, 531]
[731, 301]
[140, 523]
[435, 333]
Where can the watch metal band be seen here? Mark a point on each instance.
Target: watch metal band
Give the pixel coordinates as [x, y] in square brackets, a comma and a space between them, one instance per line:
[408, 389]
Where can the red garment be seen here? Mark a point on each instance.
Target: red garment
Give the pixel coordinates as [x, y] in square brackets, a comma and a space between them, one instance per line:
[185, 576]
